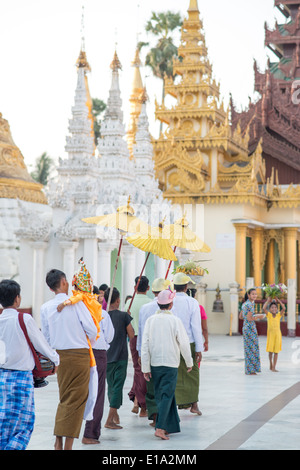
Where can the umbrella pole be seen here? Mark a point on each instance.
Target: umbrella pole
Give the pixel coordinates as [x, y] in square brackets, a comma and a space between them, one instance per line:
[114, 275]
[138, 282]
[170, 264]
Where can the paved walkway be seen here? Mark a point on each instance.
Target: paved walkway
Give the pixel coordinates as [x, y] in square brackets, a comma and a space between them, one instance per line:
[239, 412]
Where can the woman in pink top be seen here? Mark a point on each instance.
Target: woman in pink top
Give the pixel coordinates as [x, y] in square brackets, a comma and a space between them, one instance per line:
[204, 327]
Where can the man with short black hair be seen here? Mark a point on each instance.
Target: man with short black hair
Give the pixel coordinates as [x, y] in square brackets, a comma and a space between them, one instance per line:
[139, 387]
[67, 332]
[117, 358]
[17, 411]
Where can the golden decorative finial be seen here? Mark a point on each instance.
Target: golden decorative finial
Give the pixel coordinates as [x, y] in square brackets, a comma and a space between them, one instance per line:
[82, 59]
[144, 96]
[116, 64]
[193, 5]
[137, 61]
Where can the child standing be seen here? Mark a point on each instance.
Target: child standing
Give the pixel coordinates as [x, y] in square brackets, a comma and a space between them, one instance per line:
[274, 336]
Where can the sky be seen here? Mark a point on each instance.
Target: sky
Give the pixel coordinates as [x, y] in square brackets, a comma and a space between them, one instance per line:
[41, 39]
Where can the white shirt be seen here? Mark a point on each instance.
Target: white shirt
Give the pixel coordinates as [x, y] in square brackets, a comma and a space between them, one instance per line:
[107, 332]
[187, 309]
[146, 311]
[164, 339]
[67, 329]
[14, 350]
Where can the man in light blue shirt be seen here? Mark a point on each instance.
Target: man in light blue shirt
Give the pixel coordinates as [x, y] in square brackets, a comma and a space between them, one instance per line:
[188, 310]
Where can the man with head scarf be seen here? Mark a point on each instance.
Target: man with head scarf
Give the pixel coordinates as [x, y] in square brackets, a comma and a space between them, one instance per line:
[187, 309]
[164, 339]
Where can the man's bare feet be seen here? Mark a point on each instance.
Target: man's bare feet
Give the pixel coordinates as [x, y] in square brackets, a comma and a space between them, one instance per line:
[194, 409]
[135, 409]
[116, 418]
[162, 434]
[88, 441]
[143, 413]
[112, 425]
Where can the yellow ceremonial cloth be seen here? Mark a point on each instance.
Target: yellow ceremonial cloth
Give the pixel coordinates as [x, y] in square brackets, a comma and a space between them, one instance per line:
[95, 309]
[274, 335]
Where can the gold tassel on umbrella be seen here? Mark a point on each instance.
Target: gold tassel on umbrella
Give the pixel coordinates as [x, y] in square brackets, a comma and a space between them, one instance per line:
[154, 243]
[126, 222]
[180, 235]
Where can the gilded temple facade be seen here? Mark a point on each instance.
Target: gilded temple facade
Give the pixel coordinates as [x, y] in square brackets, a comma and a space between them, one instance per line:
[250, 220]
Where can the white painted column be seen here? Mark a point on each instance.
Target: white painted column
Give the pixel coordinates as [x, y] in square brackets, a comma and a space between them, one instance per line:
[70, 264]
[104, 262]
[161, 266]
[234, 307]
[291, 307]
[26, 272]
[139, 261]
[90, 256]
[129, 269]
[38, 278]
[201, 293]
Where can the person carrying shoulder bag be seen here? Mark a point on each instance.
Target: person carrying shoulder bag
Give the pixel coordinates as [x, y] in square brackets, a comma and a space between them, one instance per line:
[17, 410]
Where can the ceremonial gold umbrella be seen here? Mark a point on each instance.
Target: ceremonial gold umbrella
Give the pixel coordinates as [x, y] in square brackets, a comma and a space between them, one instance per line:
[180, 235]
[126, 222]
[153, 242]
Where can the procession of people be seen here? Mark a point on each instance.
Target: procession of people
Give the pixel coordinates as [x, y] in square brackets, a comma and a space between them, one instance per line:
[90, 347]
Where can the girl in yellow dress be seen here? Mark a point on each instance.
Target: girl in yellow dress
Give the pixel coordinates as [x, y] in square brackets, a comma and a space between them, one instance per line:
[274, 336]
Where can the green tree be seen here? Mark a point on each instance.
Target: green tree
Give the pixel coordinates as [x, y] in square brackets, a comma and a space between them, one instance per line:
[43, 166]
[159, 58]
[98, 108]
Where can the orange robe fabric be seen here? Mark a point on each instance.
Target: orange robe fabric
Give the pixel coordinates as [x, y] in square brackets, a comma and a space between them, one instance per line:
[95, 309]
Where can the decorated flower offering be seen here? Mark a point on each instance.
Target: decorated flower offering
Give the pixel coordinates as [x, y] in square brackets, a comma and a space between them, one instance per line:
[193, 270]
[274, 290]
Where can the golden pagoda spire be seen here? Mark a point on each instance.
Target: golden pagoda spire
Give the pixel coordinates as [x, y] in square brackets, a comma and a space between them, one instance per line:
[116, 64]
[198, 156]
[135, 101]
[15, 181]
[193, 5]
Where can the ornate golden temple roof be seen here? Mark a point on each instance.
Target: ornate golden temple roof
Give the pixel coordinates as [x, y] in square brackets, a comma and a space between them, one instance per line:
[15, 181]
[200, 157]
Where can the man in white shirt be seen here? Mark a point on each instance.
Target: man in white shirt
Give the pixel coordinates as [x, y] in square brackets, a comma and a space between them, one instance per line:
[187, 309]
[17, 411]
[146, 311]
[164, 339]
[67, 332]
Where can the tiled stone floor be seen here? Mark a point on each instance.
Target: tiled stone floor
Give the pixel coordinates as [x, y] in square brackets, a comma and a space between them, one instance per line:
[227, 398]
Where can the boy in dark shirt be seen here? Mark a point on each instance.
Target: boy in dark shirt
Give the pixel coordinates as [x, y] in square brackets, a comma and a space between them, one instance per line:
[117, 358]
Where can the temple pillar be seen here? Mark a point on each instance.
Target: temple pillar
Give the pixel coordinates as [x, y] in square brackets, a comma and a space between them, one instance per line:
[240, 255]
[234, 307]
[257, 244]
[290, 252]
[26, 272]
[201, 294]
[129, 270]
[161, 267]
[90, 256]
[38, 278]
[69, 262]
[291, 307]
[104, 262]
[270, 263]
